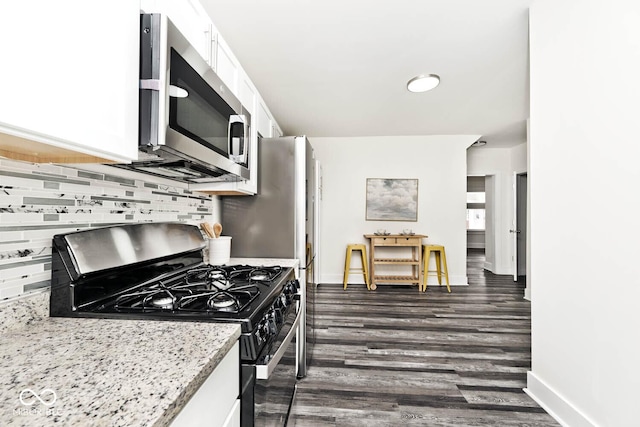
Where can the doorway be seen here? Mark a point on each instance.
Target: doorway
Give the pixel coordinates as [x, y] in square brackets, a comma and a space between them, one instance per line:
[520, 227]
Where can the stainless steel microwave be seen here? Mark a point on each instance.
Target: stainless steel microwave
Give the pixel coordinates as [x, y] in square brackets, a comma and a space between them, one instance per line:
[192, 127]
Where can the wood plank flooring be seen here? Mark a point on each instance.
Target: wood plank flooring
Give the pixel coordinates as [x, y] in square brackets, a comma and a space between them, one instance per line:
[395, 357]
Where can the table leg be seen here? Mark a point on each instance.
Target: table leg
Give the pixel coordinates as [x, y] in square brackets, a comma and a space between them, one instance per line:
[420, 277]
[372, 266]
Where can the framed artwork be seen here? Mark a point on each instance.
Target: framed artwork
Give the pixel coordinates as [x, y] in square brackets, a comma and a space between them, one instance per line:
[390, 199]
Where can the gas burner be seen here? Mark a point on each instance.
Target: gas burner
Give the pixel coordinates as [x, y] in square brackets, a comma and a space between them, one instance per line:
[208, 277]
[232, 300]
[157, 297]
[221, 300]
[264, 274]
[162, 302]
[216, 275]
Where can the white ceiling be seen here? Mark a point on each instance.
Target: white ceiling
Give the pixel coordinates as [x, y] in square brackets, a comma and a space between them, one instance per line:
[340, 67]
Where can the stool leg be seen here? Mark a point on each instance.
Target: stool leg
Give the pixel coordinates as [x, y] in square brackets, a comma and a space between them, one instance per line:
[446, 270]
[427, 255]
[365, 269]
[438, 266]
[347, 266]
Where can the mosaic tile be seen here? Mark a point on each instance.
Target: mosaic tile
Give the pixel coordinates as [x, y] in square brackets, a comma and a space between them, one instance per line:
[91, 175]
[45, 201]
[52, 185]
[120, 180]
[40, 201]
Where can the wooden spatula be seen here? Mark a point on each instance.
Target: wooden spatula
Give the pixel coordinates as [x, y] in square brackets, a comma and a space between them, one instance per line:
[217, 229]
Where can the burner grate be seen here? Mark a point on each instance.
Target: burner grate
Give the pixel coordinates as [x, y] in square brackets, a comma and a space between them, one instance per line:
[205, 289]
[232, 300]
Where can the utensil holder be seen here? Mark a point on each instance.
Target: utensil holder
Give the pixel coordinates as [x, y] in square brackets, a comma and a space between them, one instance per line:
[219, 250]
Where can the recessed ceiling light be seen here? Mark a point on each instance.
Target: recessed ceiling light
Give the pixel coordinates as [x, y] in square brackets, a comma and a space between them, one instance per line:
[479, 143]
[423, 83]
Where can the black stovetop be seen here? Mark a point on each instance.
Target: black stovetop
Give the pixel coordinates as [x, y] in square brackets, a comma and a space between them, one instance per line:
[236, 293]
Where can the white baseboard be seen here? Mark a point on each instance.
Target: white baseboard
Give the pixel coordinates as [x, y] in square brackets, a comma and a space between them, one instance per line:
[555, 404]
[527, 293]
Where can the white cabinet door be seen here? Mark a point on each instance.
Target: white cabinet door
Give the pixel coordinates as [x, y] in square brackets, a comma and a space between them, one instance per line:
[214, 403]
[263, 118]
[69, 79]
[233, 420]
[226, 65]
[247, 93]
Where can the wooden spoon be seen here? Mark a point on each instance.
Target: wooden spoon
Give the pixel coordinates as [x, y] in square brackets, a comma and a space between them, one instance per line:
[206, 227]
[217, 229]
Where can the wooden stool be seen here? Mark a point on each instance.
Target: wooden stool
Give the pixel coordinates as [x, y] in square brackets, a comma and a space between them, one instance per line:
[441, 261]
[347, 263]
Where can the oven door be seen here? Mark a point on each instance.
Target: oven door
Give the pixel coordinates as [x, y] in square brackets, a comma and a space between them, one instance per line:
[275, 380]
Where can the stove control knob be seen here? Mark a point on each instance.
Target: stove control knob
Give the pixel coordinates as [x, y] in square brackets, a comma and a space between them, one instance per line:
[278, 315]
[263, 330]
[272, 324]
[294, 286]
[284, 301]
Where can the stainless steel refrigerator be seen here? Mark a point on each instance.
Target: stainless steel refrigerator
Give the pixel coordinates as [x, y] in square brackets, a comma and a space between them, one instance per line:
[281, 221]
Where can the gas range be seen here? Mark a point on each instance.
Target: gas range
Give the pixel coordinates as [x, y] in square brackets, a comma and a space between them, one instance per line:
[114, 272]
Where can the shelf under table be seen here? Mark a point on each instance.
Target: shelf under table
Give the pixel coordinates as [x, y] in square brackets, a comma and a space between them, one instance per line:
[396, 279]
[399, 261]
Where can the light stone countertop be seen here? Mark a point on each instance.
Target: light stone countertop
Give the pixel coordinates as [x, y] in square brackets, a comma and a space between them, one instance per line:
[106, 372]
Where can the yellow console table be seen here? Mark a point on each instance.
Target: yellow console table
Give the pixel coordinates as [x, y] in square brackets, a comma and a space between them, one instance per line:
[413, 241]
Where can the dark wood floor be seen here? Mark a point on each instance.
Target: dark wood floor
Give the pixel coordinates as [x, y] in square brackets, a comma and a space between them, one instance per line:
[395, 357]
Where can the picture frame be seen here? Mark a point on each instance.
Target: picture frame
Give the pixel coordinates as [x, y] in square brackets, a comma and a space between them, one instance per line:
[392, 199]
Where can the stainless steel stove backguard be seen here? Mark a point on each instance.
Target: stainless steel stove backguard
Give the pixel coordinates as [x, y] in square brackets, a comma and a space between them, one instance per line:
[106, 248]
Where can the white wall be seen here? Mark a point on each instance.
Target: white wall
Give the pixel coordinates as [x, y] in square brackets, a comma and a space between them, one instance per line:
[475, 239]
[438, 162]
[501, 163]
[584, 177]
[519, 158]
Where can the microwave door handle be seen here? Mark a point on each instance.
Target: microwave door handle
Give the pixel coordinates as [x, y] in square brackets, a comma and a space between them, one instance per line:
[232, 121]
[263, 372]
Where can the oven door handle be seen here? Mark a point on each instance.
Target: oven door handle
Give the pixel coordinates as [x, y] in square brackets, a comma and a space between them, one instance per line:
[264, 371]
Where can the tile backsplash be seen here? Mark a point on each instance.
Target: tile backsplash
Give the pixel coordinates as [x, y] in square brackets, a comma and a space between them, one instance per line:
[38, 201]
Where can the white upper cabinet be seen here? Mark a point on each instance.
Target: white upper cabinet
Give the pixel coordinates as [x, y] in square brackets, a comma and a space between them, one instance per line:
[247, 93]
[226, 65]
[264, 120]
[69, 80]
